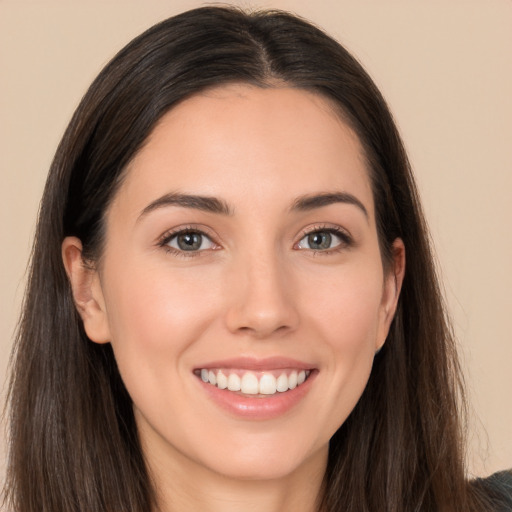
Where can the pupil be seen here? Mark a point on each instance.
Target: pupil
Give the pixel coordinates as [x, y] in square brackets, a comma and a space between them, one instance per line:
[189, 241]
[320, 240]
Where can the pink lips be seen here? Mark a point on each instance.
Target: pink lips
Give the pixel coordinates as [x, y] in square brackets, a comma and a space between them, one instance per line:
[257, 407]
[250, 363]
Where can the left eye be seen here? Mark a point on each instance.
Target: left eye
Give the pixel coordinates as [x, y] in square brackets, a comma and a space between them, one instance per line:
[190, 241]
[320, 241]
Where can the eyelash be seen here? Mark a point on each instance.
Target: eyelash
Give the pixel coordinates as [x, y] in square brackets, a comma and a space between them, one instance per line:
[168, 236]
[346, 240]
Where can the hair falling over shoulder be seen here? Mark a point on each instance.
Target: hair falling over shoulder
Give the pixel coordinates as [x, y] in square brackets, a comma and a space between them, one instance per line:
[74, 445]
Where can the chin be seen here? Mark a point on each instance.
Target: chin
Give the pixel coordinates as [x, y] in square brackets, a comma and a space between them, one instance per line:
[266, 461]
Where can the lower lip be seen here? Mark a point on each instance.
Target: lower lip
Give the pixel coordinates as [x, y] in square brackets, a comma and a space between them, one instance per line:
[258, 407]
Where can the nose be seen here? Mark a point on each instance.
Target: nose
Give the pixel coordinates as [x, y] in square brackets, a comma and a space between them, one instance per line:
[261, 297]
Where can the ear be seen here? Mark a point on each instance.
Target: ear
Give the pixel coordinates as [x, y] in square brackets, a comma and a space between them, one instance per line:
[87, 292]
[391, 291]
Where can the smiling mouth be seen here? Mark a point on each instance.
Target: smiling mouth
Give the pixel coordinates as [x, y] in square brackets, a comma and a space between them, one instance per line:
[254, 383]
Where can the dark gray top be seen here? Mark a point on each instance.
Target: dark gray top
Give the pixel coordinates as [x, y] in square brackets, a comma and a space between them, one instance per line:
[499, 489]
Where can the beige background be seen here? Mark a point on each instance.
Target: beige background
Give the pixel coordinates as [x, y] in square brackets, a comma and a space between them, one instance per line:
[445, 68]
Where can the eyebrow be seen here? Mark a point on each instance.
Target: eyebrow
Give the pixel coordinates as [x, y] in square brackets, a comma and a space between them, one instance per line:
[219, 206]
[204, 203]
[310, 202]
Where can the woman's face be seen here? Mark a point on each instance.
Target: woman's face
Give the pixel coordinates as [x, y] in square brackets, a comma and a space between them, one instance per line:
[241, 251]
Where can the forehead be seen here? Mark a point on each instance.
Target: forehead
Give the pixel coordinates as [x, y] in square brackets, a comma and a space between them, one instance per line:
[246, 143]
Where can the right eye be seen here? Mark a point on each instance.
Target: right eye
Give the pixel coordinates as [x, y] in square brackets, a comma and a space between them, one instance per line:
[189, 241]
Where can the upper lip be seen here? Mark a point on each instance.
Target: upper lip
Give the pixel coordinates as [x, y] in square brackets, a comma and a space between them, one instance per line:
[257, 364]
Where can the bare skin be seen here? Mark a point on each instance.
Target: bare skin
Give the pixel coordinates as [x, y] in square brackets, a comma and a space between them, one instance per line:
[243, 236]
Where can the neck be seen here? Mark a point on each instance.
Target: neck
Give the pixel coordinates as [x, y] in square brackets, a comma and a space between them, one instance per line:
[183, 485]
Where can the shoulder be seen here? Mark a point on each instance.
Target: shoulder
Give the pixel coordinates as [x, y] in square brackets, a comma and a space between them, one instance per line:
[498, 488]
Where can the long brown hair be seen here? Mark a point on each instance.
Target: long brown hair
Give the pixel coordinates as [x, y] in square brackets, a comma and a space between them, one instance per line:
[74, 443]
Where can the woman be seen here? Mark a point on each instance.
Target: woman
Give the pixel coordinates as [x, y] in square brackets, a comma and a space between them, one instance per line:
[232, 301]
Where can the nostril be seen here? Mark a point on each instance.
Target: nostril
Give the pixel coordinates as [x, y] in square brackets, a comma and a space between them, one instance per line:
[261, 303]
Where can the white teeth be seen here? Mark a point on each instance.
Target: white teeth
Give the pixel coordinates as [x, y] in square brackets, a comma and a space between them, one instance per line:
[233, 382]
[263, 383]
[268, 384]
[282, 383]
[249, 384]
[292, 380]
[222, 381]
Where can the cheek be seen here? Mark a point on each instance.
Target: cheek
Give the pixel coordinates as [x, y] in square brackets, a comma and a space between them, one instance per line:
[344, 319]
[154, 316]
[345, 305]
